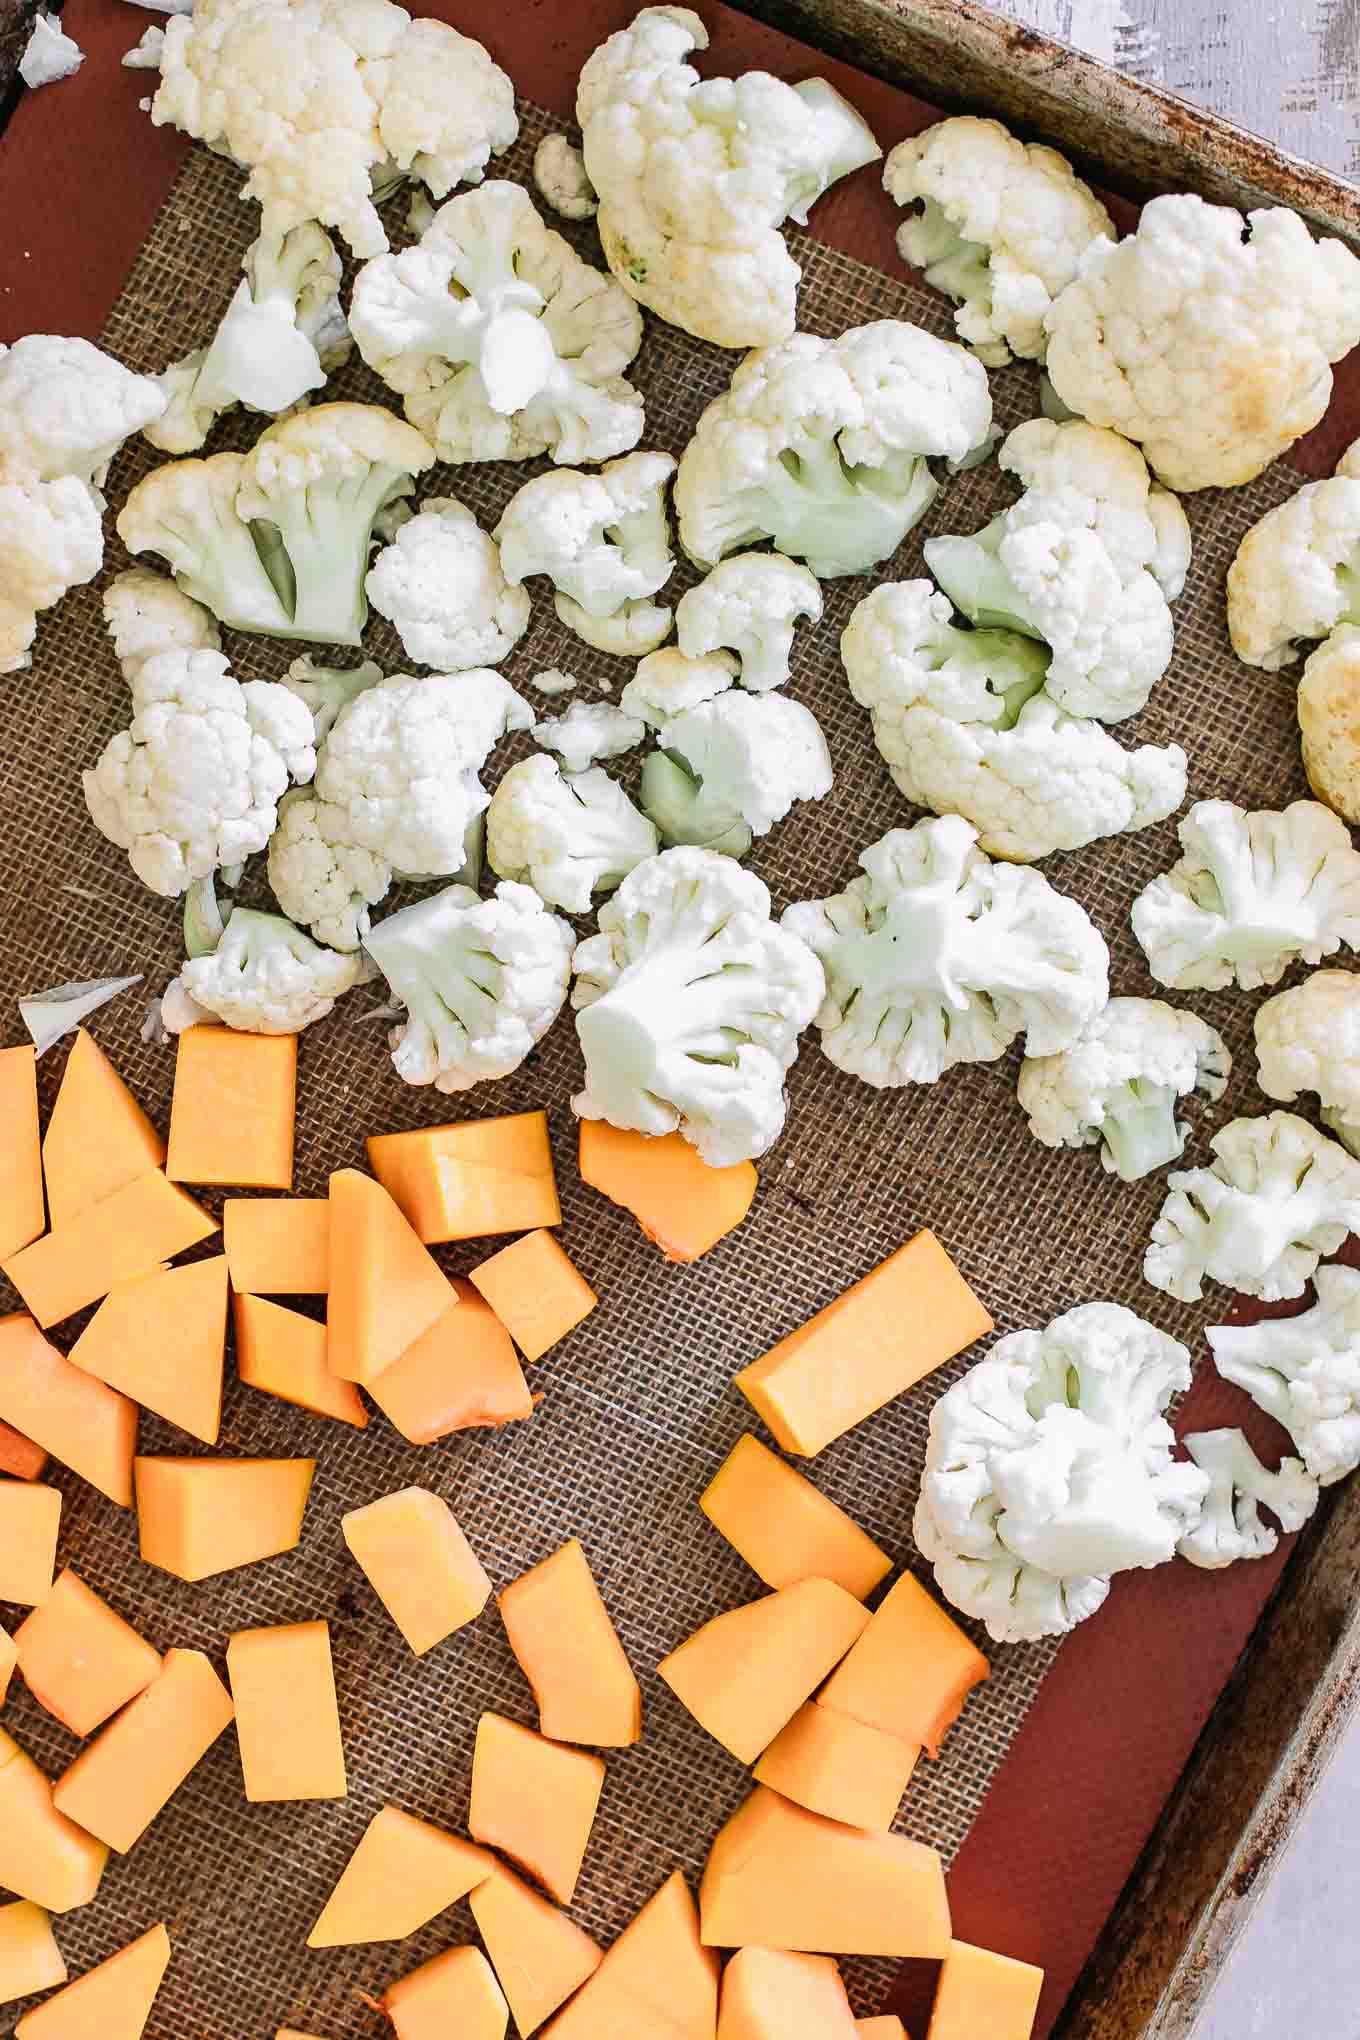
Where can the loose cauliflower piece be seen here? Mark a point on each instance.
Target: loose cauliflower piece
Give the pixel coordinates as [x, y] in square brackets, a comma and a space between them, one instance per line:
[1230, 1525]
[1328, 704]
[1305, 1372]
[1250, 894]
[1087, 561]
[749, 605]
[264, 976]
[822, 446]
[502, 341]
[589, 731]
[481, 981]
[327, 102]
[1206, 337]
[695, 178]
[1277, 1197]
[328, 689]
[964, 724]
[66, 408]
[1118, 1086]
[145, 613]
[603, 540]
[728, 769]
[1308, 1039]
[325, 884]
[668, 682]
[1293, 577]
[569, 835]
[935, 956]
[689, 1004]
[1049, 1469]
[51, 539]
[1002, 229]
[561, 179]
[440, 584]
[634, 629]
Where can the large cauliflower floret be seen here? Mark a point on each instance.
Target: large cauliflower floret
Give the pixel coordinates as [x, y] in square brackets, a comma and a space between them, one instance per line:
[935, 956]
[1087, 561]
[695, 178]
[822, 446]
[503, 342]
[1049, 1469]
[66, 408]
[689, 1006]
[603, 540]
[569, 835]
[1117, 1087]
[481, 981]
[1250, 894]
[51, 539]
[728, 769]
[1278, 1196]
[1206, 337]
[440, 584]
[263, 977]
[145, 613]
[1002, 229]
[1230, 1526]
[1328, 704]
[1305, 1372]
[749, 605]
[325, 884]
[1308, 1039]
[194, 782]
[323, 101]
[1294, 576]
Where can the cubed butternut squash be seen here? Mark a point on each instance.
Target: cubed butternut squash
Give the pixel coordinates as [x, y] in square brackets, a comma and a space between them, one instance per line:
[111, 2002]
[386, 1288]
[147, 1222]
[120, 1782]
[30, 1959]
[9, 1662]
[30, 1519]
[534, 1801]
[21, 1183]
[98, 1138]
[539, 1955]
[20, 1457]
[979, 1992]
[884, 2027]
[161, 1339]
[198, 1517]
[785, 1528]
[419, 1564]
[569, 1651]
[455, 1993]
[79, 1659]
[287, 1717]
[473, 1179]
[910, 1672]
[277, 1246]
[462, 1374]
[535, 1291]
[839, 1767]
[402, 1875]
[233, 1109]
[770, 1994]
[43, 1856]
[283, 1353]
[681, 1203]
[87, 1426]
[657, 1978]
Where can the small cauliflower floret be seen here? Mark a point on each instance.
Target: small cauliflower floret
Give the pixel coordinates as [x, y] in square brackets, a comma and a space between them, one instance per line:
[327, 690]
[689, 1007]
[749, 605]
[668, 682]
[1118, 1086]
[1305, 1372]
[145, 54]
[561, 179]
[194, 783]
[326, 884]
[440, 584]
[603, 540]
[634, 629]
[51, 539]
[281, 335]
[1230, 1525]
[1277, 1197]
[569, 835]
[503, 342]
[589, 731]
[329, 102]
[1049, 1469]
[1087, 562]
[1002, 229]
[695, 178]
[481, 981]
[1250, 894]
[1206, 337]
[1328, 703]
[66, 408]
[936, 956]
[145, 613]
[263, 977]
[1294, 577]
[729, 769]
[823, 446]
[186, 513]
[1308, 1039]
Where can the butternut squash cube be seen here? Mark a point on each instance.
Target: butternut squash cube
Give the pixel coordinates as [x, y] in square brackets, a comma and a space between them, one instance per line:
[30, 1518]
[21, 1183]
[769, 1994]
[535, 1291]
[681, 1203]
[19, 1456]
[746, 1673]
[785, 1528]
[198, 1517]
[839, 1767]
[419, 1564]
[979, 1992]
[779, 1877]
[277, 1246]
[403, 1874]
[112, 2002]
[462, 1374]
[9, 1663]
[539, 1955]
[145, 1223]
[473, 1179]
[386, 1288]
[30, 1959]
[884, 2027]
[569, 1651]
[900, 1322]
[283, 1353]
[233, 1109]
[98, 1138]
[656, 1979]
[287, 1716]
[910, 1672]
[43, 1856]
[120, 1782]
[535, 1801]
[88, 1427]
[456, 1993]
[80, 1660]
[162, 1340]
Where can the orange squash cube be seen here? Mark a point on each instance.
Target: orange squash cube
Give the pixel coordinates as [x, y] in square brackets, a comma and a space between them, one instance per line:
[112, 2002]
[656, 1978]
[198, 1517]
[233, 1110]
[534, 1801]
[30, 1518]
[287, 1716]
[419, 1564]
[43, 1856]
[162, 1339]
[770, 1994]
[569, 1651]
[472, 1179]
[30, 1959]
[283, 1353]
[785, 1528]
[386, 1287]
[535, 1292]
[462, 1374]
[21, 1183]
[277, 1246]
[539, 1955]
[456, 1993]
[681, 1203]
[120, 1782]
[88, 1427]
[80, 1660]
[910, 1672]
[402, 1875]
[145, 1223]
[98, 1138]
[839, 1767]
[884, 2027]
[979, 1992]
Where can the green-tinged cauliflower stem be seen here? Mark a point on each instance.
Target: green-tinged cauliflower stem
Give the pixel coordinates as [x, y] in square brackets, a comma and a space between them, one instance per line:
[961, 269]
[972, 576]
[1140, 1129]
[675, 801]
[812, 487]
[324, 535]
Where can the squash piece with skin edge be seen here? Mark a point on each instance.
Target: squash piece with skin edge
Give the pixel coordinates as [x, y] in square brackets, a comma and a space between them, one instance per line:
[680, 1202]
[979, 1992]
[910, 1672]
[234, 1108]
[839, 1767]
[569, 1651]
[200, 1517]
[386, 1288]
[122, 1780]
[419, 1564]
[462, 1374]
[111, 2002]
[534, 1801]
[162, 1340]
[148, 1221]
[277, 1246]
[98, 1138]
[472, 1179]
[284, 1354]
[88, 1427]
[539, 1955]
[535, 1291]
[43, 1856]
[656, 1979]
[30, 1519]
[455, 1993]
[786, 1529]
[30, 1959]
[770, 1994]
[402, 1875]
[79, 1659]
[21, 1185]
[19, 1456]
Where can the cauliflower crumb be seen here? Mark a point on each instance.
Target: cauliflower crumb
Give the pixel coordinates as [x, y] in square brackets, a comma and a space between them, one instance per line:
[562, 179]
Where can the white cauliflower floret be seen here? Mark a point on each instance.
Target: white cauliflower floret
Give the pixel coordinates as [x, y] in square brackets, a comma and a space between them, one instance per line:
[186, 512]
[603, 540]
[328, 689]
[1249, 895]
[481, 981]
[145, 54]
[1278, 1196]
[749, 605]
[1305, 1372]
[66, 408]
[668, 682]
[695, 178]
[49, 55]
[1205, 336]
[325, 102]
[935, 956]
[1049, 1469]
[1308, 1039]
[1118, 1086]
[561, 179]
[1078, 563]
[822, 446]
[1230, 1526]
[730, 768]
[1293, 577]
[689, 1007]
[589, 731]
[193, 784]
[1328, 705]
[965, 727]
[568, 835]
[440, 584]
[51, 539]
[264, 976]
[503, 342]
[327, 885]
[1002, 229]
[146, 613]
[634, 629]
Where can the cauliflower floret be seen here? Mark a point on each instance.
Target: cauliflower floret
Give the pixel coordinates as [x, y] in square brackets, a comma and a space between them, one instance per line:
[567, 835]
[561, 179]
[689, 1004]
[589, 731]
[1118, 1086]
[145, 54]
[186, 512]
[503, 342]
[51, 539]
[729, 769]
[1230, 1525]
[1049, 1469]
[935, 956]
[696, 178]
[328, 689]
[481, 981]
[1277, 1197]
[264, 976]
[822, 446]
[1328, 704]
[1206, 337]
[1308, 1039]
[326, 101]
[749, 605]
[1249, 895]
[49, 55]
[194, 783]
[145, 613]
[326, 884]
[603, 540]
[66, 408]
[668, 682]
[1293, 578]
[1079, 563]
[1305, 1372]
[1002, 229]
[440, 583]
[634, 630]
